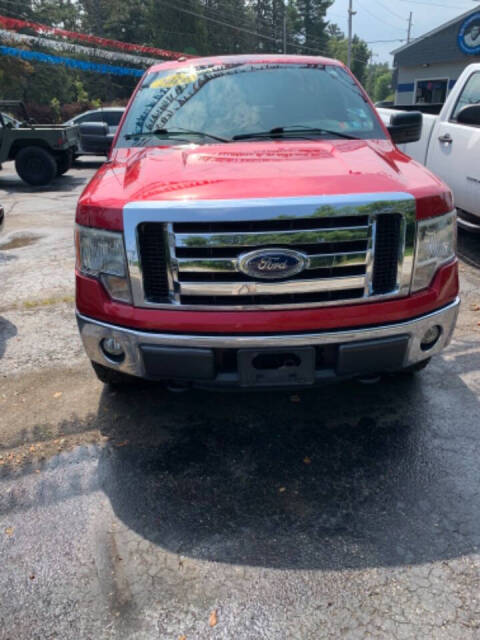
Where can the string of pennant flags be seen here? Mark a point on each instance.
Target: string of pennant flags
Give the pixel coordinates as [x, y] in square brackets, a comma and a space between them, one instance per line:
[36, 42]
[70, 62]
[126, 51]
[15, 24]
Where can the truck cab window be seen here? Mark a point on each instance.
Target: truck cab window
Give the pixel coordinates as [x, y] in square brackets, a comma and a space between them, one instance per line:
[469, 95]
[112, 118]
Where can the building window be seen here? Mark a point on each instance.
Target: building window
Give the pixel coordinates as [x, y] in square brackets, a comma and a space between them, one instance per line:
[431, 91]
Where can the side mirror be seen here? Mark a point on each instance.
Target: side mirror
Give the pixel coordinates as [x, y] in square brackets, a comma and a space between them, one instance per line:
[95, 137]
[406, 126]
[93, 129]
[469, 115]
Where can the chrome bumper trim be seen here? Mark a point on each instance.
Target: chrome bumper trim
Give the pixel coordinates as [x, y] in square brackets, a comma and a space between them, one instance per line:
[93, 332]
[261, 238]
[266, 288]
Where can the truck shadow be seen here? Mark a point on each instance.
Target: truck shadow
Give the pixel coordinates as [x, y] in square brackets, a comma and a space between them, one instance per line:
[342, 477]
[11, 184]
[7, 330]
[92, 163]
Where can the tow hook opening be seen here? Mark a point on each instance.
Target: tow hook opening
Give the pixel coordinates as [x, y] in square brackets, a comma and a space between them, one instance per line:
[276, 360]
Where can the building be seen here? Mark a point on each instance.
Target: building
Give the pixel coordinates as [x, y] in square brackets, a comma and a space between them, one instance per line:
[426, 69]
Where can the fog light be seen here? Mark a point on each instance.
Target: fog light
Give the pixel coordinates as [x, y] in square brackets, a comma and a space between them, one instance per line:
[430, 338]
[112, 349]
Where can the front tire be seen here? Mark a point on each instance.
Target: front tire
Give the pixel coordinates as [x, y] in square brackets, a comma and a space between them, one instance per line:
[35, 166]
[64, 162]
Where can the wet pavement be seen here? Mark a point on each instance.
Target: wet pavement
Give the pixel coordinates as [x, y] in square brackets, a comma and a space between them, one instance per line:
[347, 512]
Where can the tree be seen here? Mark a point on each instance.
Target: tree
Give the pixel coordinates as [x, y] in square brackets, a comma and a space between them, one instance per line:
[201, 27]
[313, 29]
[379, 81]
[338, 48]
[383, 87]
[334, 31]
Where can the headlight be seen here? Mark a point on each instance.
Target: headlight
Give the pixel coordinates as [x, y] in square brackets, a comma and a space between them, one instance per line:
[101, 254]
[436, 244]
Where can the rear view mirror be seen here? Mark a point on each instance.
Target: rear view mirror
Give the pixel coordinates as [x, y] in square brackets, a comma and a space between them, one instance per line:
[95, 137]
[406, 126]
[469, 115]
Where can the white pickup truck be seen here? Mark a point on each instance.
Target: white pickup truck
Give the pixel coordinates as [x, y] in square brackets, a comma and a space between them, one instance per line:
[450, 145]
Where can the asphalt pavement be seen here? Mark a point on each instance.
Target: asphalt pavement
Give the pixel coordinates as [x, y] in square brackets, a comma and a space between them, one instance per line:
[347, 512]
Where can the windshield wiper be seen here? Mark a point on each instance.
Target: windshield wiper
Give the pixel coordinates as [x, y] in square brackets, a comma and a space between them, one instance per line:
[278, 132]
[174, 132]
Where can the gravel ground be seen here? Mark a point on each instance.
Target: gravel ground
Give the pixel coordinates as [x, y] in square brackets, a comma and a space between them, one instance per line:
[347, 512]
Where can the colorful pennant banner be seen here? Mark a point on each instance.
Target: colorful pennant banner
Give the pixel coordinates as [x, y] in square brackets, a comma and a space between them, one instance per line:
[70, 62]
[15, 24]
[35, 42]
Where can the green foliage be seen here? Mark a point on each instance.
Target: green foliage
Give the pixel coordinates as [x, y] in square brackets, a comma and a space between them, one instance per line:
[338, 48]
[15, 74]
[55, 106]
[199, 27]
[81, 94]
[379, 82]
[383, 86]
[312, 14]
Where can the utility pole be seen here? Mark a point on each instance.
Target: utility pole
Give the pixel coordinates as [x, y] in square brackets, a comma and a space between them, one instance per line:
[351, 13]
[285, 26]
[409, 33]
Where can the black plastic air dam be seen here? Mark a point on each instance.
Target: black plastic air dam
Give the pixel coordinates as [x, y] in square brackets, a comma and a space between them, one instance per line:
[198, 364]
[178, 364]
[372, 356]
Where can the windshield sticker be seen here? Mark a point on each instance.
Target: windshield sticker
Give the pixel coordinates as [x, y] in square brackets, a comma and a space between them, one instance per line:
[174, 79]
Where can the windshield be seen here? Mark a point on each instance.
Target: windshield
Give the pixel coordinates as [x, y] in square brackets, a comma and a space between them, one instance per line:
[223, 101]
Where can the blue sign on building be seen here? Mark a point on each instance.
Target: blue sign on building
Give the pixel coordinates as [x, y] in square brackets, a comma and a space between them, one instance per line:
[469, 35]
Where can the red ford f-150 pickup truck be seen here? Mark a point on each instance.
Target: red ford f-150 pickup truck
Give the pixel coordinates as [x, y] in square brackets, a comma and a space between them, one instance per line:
[256, 226]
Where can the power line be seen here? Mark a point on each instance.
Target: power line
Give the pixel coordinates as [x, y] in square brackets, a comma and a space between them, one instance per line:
[380, 19]
[435, 4]
[238, 28]
[244, 19]
[390, 11]
[384, 41]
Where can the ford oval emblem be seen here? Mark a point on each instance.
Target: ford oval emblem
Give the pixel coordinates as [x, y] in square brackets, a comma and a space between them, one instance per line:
[272, 264]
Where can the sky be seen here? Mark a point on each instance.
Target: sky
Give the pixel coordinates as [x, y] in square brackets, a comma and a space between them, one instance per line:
[388, 20]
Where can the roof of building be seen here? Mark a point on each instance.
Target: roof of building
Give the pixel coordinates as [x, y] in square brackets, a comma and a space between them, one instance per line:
[424, 46]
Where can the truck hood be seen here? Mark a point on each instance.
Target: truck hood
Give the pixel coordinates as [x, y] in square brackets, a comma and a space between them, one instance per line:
[254, 170]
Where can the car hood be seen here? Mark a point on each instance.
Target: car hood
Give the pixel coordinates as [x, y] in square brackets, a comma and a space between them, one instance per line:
[262, 169]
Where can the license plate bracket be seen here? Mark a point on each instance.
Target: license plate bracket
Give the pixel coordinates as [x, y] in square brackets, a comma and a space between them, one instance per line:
[276, 367]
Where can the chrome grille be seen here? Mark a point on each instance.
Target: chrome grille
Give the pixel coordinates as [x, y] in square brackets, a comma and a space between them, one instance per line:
[205, 240]
[208, 260]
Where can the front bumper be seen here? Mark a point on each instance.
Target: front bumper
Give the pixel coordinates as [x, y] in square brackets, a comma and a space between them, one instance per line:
[468, 221]
[214, 360]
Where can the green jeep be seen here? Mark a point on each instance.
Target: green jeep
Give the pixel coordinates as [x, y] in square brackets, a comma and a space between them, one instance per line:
[41, 151]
